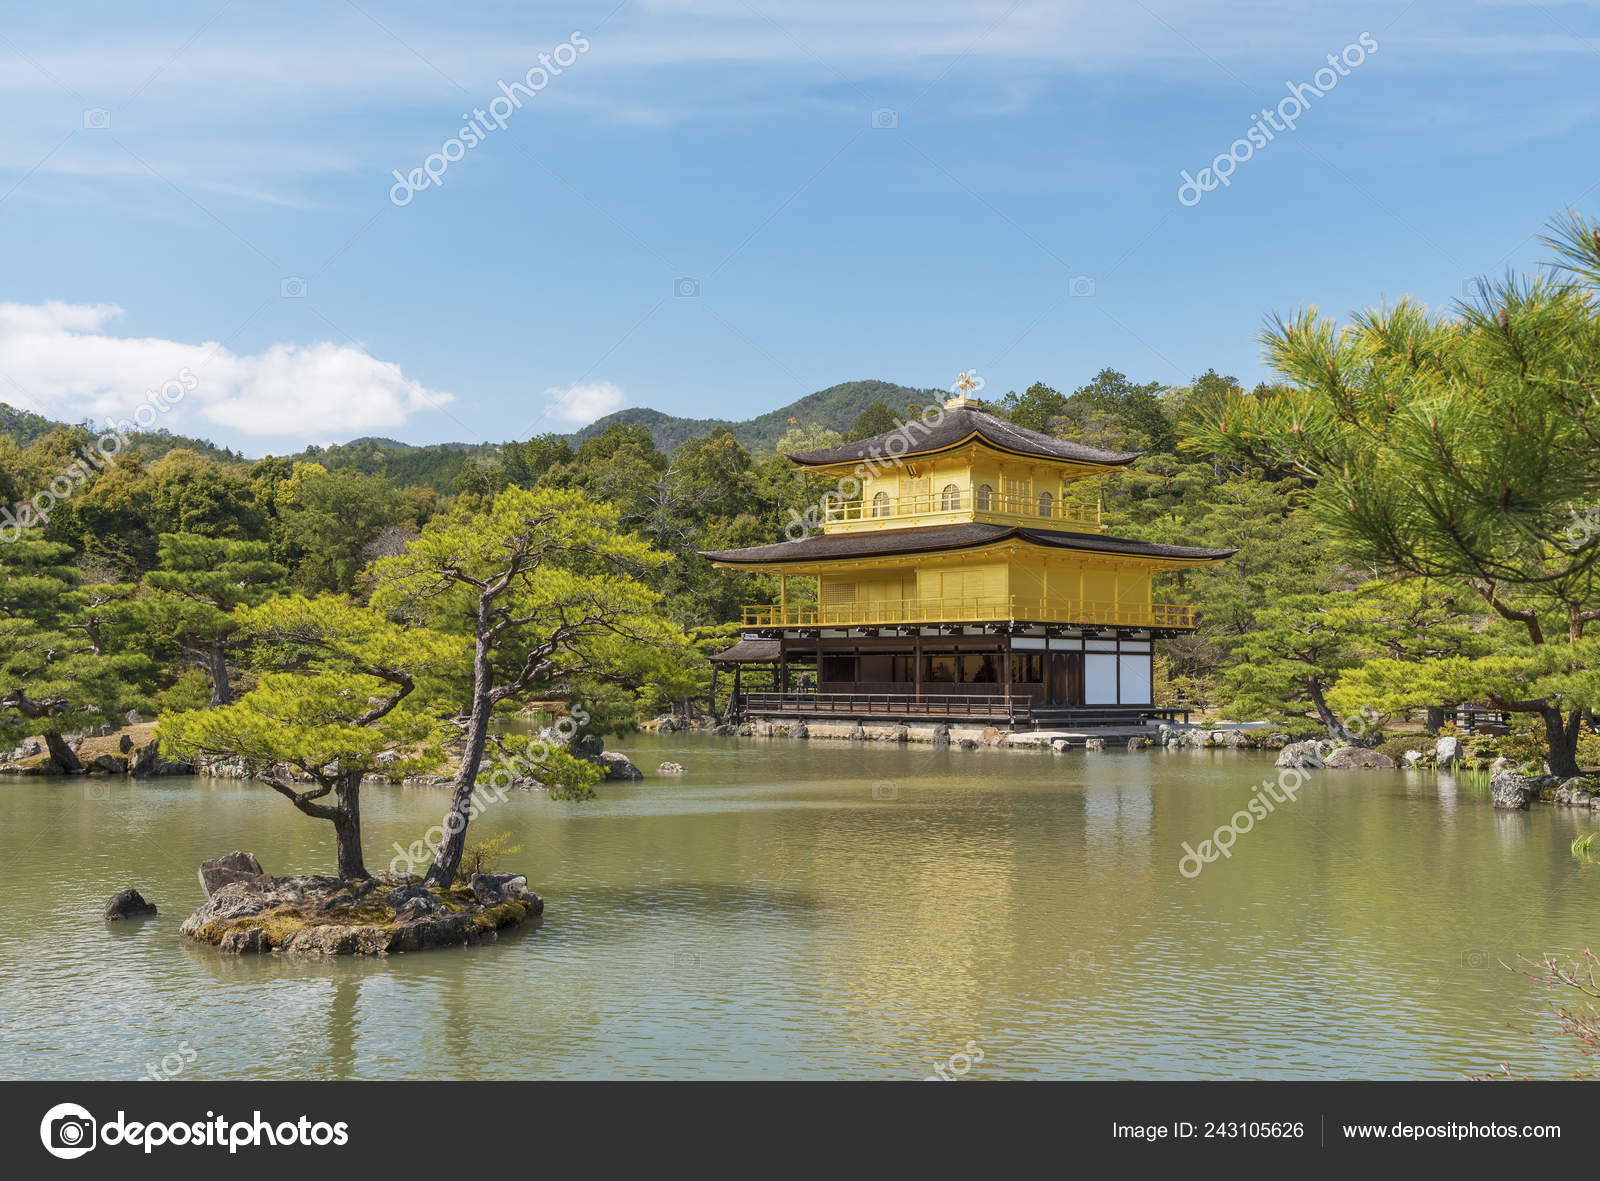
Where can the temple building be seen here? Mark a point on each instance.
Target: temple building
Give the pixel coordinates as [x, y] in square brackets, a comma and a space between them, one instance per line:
[965, 581]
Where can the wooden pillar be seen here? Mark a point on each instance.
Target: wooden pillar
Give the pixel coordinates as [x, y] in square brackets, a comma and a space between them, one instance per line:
[715, 668]
[1005, 660]
[783, 668]
[739, 705]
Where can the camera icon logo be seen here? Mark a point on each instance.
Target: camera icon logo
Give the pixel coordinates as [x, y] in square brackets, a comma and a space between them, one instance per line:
[686, 288]
[292, 287]
[68, 1131]
[1082, 285]
[886, 789]
[1475, 958]
[97, 791]
[885, 118]
[96, 119]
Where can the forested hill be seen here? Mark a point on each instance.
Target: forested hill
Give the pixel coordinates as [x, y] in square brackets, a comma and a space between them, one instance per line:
[835, 408]
[436, 466]
[25, 428]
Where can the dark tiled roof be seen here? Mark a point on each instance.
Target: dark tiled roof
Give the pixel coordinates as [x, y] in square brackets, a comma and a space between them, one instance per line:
[955, 427]
[749, 652]
[822, 547]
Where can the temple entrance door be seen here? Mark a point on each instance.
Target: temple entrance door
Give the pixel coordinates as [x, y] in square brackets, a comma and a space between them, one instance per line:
[1064, 678]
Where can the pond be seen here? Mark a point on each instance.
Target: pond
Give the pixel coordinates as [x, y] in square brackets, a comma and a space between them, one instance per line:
[828, 910]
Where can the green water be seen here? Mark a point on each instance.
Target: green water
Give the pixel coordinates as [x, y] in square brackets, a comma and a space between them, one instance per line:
[825, 910]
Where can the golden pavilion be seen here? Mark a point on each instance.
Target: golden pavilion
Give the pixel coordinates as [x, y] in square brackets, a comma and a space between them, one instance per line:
[964, 582]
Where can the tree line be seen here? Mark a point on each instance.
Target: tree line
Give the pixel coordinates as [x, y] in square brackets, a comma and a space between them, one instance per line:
[1415, 499]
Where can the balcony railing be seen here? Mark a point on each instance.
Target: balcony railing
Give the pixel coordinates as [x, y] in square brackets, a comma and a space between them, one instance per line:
[1000, 608]
[1040, 507]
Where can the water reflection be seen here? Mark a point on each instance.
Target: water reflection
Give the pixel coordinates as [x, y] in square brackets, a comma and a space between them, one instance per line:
[828, 910]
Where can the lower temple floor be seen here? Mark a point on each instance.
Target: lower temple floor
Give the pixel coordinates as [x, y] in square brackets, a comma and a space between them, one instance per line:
[1014, 675]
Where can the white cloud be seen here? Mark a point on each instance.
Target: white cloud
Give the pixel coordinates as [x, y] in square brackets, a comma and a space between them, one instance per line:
[62, 360]
[583, 401]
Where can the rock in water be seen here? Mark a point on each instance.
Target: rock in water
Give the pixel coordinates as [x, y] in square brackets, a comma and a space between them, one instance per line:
[1448, 751]
[234, 867]
[670, 768]
[491, 889]
[128, 904]
[618, 766]
[1094, 744]
[1302, 754]
[1358, 758]
[1137, 743]
[1512, 792]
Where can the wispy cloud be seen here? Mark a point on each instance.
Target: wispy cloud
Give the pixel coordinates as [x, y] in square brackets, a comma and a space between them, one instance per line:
[582, 402]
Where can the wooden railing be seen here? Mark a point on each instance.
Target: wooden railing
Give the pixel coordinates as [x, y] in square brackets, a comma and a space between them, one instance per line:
[1039, 507]
[1000, 608]
[994, 706]
[1018, 711]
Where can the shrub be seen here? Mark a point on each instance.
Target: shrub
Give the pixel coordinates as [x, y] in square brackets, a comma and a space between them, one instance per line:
[192, 690]
[486, 857]
[1397, 746]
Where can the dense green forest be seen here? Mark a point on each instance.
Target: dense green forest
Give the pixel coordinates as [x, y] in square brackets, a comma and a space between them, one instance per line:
[1413, 502]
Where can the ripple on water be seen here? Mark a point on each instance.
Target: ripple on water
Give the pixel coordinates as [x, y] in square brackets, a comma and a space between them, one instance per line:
[824, 910]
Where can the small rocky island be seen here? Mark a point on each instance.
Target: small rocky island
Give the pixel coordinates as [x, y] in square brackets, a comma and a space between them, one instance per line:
[250, 912]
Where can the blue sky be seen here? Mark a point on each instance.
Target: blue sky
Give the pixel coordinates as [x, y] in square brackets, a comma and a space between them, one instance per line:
[703, 214]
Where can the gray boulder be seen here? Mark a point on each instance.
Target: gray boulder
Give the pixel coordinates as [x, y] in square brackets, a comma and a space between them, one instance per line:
[419, 899]
[799, 730]
[128, 904]
[147, 761]
[1357, 758]
[1448, 751]
[1137, 743]
[1512, 792]
[618, 766]
[1575, 792]
[132, 718]
[231, 868]
[1303, 754]
[941, 735]
[250, 941]
[670, 768]
[491, 889]
[1094, 744]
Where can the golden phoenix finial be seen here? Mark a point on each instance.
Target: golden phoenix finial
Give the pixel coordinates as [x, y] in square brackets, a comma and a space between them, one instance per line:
[967, 380]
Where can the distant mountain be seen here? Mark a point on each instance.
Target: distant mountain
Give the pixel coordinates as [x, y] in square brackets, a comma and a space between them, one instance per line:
[436, 465]
[835, 408]
[25, 428]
